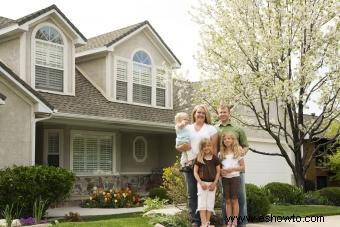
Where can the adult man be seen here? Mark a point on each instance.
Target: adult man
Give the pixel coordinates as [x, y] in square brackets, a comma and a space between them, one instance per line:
[222, 126]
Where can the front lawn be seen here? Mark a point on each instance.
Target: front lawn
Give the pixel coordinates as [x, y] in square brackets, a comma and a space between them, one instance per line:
[121, 220]
[304, 210]
[137, 219]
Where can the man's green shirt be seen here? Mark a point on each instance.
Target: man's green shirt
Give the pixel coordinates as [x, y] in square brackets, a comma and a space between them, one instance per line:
[239, 133]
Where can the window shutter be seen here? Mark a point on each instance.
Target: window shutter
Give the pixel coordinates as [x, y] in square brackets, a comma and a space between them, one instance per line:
[92, 154]
[53, 149]
[78, 143]
[142, 84]
[121, 82]
[160, 87]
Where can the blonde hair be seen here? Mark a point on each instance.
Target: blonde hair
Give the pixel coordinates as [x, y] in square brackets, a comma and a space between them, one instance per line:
[179, 117]
[234, 146]
[224, 106]
[207, 113]
[200, 155]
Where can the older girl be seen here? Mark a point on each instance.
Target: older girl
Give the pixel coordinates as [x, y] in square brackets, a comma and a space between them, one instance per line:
[233, 163]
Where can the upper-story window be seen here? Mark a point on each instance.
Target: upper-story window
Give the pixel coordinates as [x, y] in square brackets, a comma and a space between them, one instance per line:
[139, 81]
[49, 59]
[142, 78]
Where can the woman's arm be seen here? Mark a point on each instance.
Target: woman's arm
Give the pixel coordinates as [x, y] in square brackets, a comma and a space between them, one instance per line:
[183, 147]
[214, 139]
[241, 168]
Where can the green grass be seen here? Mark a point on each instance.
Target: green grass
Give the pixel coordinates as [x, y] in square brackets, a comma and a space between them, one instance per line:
[304, 210]
[121, 220]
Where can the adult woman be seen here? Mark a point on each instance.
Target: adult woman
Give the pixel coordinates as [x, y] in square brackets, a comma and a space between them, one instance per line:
[199, 129]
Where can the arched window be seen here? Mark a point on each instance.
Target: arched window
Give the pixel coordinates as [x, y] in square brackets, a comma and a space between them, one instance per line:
[49, 59]
[142, 78]
[139, 149]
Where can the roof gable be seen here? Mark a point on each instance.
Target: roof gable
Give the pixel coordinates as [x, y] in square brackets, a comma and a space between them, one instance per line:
[21, 22]
[105, 41]
[9, 74]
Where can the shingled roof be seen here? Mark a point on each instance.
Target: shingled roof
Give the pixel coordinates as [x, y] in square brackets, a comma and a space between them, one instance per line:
[5, 22]
[90, 102]
[23, 83]
[108, 39]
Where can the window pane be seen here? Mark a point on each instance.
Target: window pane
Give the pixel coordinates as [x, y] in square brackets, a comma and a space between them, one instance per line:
[142, 94]
[49, 79]
[53, 143]
[121, 90]
[142, 57]
[50, 34]
[53, 160]
[78, 144]
[160, 97]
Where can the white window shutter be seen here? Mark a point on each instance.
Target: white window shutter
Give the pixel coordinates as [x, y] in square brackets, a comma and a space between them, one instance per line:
[121, 82]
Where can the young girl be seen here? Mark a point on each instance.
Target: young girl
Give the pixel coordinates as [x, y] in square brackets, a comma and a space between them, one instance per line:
[183, 136]
[207, 173]
[233, 164]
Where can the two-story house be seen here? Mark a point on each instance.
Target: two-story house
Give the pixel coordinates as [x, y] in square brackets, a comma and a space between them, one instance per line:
[102, 107]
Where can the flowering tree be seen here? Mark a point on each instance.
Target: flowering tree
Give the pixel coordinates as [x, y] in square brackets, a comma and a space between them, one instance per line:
[274, 58]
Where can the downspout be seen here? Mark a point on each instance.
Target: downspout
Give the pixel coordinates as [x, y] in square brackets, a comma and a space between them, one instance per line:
[35, 120]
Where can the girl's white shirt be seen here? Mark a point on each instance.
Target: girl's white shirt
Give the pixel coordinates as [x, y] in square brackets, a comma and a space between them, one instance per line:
[231, 162]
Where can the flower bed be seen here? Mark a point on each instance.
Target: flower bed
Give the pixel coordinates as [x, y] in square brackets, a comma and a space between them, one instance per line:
[118, 198]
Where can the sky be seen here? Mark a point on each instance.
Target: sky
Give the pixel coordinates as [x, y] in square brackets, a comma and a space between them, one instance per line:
[170, 18]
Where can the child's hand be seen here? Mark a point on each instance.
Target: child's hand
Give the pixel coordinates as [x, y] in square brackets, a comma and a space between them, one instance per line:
[204, 186]
[212, 186]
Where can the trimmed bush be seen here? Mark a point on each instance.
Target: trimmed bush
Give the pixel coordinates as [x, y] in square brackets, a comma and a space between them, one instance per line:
[282, 193]
[332, 194]
[25, 184]
[158, 192]
[257, 201]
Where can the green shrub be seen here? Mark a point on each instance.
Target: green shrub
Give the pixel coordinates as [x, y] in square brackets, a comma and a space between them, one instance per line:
[332, 194]
[257, 201]
[314, 198]
[158, 192]
[282, 193]
[25, 184]
[174, 184]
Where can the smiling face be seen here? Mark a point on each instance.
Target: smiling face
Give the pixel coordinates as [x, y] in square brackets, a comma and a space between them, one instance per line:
[228, 140]
[207, 148]
[199, 115]
[223, 114]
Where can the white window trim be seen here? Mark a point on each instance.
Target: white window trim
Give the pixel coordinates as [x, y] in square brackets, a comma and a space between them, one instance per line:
[61, 145]
[66, 49]
[145, 147]
[168, 88]
[114, 153]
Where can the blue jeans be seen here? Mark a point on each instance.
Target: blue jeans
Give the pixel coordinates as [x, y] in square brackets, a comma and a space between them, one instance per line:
[242, 200]
[192, 196]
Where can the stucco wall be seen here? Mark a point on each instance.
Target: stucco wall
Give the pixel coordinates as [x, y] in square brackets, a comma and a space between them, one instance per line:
[10, 54]
[16, 118]
[95, 69]
[130, 46]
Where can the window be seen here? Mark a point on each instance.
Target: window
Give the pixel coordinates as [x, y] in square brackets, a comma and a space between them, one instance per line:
[122, 81]
[49, 59]
[160, 87]
[139, 149]
[92, 153]
[137, 81]
[142, 78]
[53, 147]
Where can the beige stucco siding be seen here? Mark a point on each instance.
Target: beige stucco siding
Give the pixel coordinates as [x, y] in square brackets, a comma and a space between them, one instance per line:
[95, 70]
[10, 54]
[16, 122]
[139, 42]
